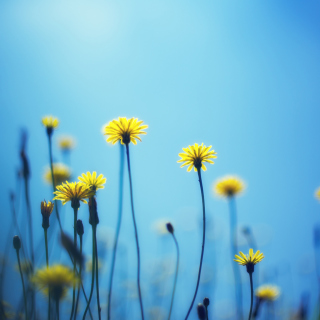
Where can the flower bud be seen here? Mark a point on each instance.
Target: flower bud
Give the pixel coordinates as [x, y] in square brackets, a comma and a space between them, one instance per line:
[206, 302]
[93, 213]
[202, 313]
[170, 227]
[80, 230]
[16, 242]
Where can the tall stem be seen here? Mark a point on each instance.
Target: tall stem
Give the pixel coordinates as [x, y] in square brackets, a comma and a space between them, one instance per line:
[80, 270]
[176, 275]
[93, 269]
[115, 245]
[47, 261]
[97, 275]
[234, 250]
[75, 216]
[203, 242]
[251, 287]
[135, 231]
[23, 287]
[57, 310]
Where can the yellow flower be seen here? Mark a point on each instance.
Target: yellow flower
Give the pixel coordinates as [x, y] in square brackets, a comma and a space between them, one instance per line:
[57, 279]
[93, 182]
[268, 292]
[317, 194]
[125, 130]
[194, 156]
[249, 260]
[61, 173]
[229, 186]
[50, 122]
[66, 143]
[74, 192]
[26, 267]
[46, 208]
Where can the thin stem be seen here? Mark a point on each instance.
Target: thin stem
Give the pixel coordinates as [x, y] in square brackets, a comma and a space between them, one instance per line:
[136, 232]
[251, 287]
[203, 242]
[23, 287]
[115, 245]
[80, 269]
[57, 309]
[47, 261]
[97, 274]
[93, 269]
[75, 216]
[234, 250]
[176, 275]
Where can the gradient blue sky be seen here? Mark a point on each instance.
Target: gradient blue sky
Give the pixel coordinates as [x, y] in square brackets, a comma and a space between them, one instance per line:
[240, 76]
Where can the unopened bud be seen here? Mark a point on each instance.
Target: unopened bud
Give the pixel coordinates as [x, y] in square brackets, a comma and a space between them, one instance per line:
[16, 242]
[206, 302]
[170, 227]
[93, 213]
[202, 313]
[80, 230]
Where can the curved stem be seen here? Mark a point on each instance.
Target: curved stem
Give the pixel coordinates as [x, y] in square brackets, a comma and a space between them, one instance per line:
[251, 287]
[115, 245]
[80, 270]
[75, 216]
[23, 287]
[93, 269]
[97, 275]
[136, 232]
[47, 261]
[203, 242]
[176, 275]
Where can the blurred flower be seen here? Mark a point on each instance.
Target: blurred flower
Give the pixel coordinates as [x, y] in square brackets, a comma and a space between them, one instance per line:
[249, 259]
[156, 313]
[317, 193]
[50, 123]
[26, 267]
[61, 173]
[160, 226]
[89, 265]
[267, 292]
[125, 130]
[74, 192]
[57, 279]
[66, 143]
[194, 156]
[93, 182]
[229, 186]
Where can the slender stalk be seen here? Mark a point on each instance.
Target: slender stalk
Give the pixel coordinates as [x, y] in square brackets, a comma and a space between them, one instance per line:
[80, 270]
[251, 287]
[97, 274]
[115, 245]
[135, 231]
[93, 269]
[23, 287]
[203, 242]
[57, 310]
[234, 250]
[75, 216]
[47, 261]
[176, 275]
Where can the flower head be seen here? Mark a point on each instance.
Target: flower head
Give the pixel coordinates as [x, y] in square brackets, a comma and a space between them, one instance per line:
[229, 186]
[92, 182]
[50, 123]
[74, 192]
[317, 193]
[61, 173]
[125, 130]
[249, 260]
[194, 156]
[46, 210]
[66, 143]
[267, 292]
[56, 279]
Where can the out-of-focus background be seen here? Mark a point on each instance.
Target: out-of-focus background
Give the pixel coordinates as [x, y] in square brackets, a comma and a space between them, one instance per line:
[240, 76]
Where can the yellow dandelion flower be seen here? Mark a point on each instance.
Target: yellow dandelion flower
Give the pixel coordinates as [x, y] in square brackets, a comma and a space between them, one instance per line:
[66, 143]
[268, 292]
[317, 193]
[92, 182]
[46, 208]
[50, 122]
[61, 173]
[195, 155]
[249, 260]
[56, 279]
[125, 130]
[229, 186]
[74, 192]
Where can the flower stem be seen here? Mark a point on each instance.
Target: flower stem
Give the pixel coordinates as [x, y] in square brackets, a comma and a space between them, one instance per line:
[251, 287]
[176, 275]
[75, 216]
[47, 261]
[57, 309]
[23, 287]
[80, 270]
[135, 231]
[97, 275]
[203, 242]
[117, 230]
[93, 269]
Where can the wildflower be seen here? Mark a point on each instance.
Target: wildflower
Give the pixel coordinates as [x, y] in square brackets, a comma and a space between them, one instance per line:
[268, 292]
[317, 193]
[93, 182]
[56, 279]
[194, 156]
[61, 173]
[229, 186]
[74, 192]
[26, 267]
[249, 260]
[50, 123]
[125, 130]
[66, 143]
[201, 310]
[46, 210]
